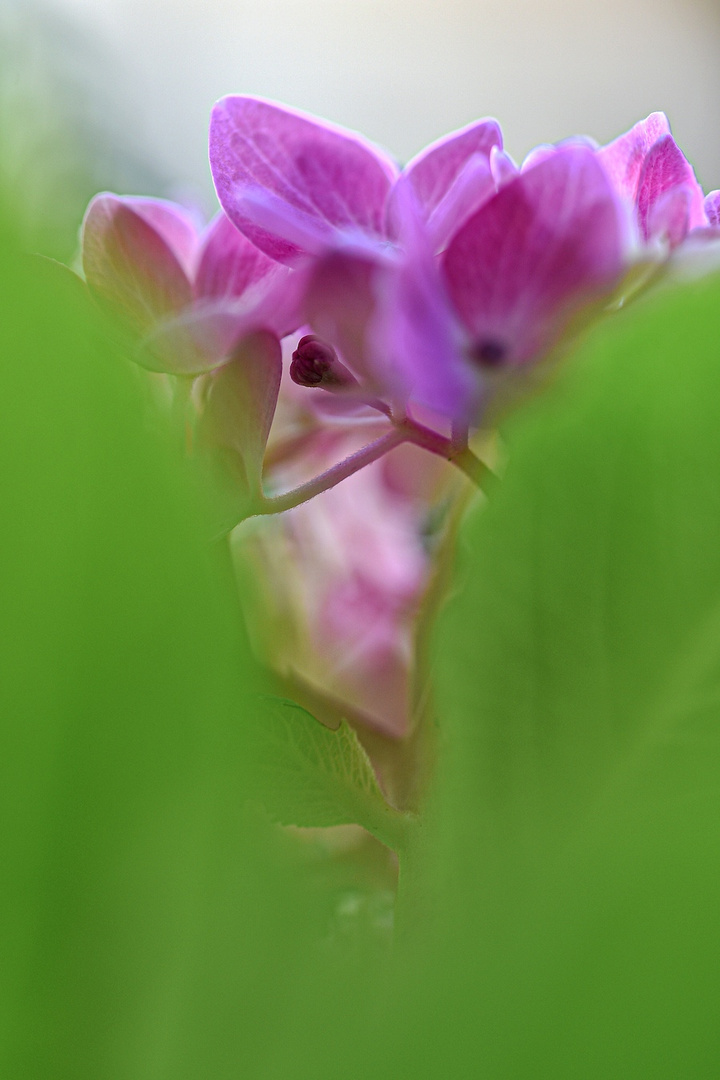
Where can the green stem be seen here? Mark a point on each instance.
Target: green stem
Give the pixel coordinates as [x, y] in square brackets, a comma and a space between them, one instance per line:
[391, 827]
[458, 454]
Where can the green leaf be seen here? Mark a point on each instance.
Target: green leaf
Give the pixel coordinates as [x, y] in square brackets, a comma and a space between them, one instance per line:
[311, 775]
[579, 687]
[147, 921]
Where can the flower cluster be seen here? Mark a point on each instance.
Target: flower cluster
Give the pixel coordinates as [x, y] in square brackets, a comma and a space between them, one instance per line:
[430, 282]
[410, 298]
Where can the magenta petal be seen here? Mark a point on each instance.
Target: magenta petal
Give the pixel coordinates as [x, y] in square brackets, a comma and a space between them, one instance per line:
[666, 168]
[413, 332]
[712, 208]
[340, 303]
[129, 265]
[174, 223]
[240, 402]
[203, 335]
[546, 150]
[416, 335]
[473, 186]
[669, 216]
[276, 299]
[319, 172]
[502, 166]
[305, 233]
[198, 339]
[538, 154]
[549, 241]
[433, 172]
[228, 262]
[623, 159]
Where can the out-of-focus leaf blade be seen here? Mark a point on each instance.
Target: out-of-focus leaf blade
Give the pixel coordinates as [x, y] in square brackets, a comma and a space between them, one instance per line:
[579, 682]
[149, 925]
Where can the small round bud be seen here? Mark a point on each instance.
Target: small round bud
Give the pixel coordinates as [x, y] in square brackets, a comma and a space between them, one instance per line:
[315, 363]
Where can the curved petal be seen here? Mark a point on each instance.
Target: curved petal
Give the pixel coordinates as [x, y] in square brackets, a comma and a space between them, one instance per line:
[129, 265]
[502, 167]
[340, 303]
[474, 185]
[417, 336]
[666, 169]
[174, 223]
[436, 168]
[669, 216]
[550, 240]
[546, 150]
[204, 334]
[228, 264]
[414, 332]
[712, 208]
[538, 154]
[316, 171]
[197, 340]
[623, 159]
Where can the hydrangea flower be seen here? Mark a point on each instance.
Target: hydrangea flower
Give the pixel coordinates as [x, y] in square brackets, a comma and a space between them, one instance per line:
[424, 279]
[425, 288]
[296, 185]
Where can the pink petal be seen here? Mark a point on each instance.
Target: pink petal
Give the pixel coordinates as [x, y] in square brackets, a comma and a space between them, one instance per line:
[538, 154]
[502, 166]
[669, 216]
[174, 223]
[666, 168]
[414, 331]
[228, 262]
[341, 301]
[240, 403]
[277, 299]
[435, 169]
[197, 340]
[473, 186]
[546, 150]
[712, 208]
[204, 334]
[416, 336]
[550, 240]
[129, 265]
[317, 171]
[623, 159]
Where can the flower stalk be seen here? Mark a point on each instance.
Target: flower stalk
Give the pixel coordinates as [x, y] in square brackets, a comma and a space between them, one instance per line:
[405, 431]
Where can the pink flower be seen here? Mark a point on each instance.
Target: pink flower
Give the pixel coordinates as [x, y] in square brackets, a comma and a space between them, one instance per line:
[549, 242]
[542, 252]
[188, 295]
[650, 173]
[429, 280]
[296, 185]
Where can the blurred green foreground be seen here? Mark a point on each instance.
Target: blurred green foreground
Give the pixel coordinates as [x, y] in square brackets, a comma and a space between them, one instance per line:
[559, 908]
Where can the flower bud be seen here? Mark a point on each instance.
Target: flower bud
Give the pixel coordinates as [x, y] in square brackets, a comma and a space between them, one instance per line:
[315, 363]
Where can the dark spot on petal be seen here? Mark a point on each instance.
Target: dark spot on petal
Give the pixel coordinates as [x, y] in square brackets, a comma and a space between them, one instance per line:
[489, 352]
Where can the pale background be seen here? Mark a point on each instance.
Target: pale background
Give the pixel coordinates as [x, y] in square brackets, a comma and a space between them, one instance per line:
[402, 71]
